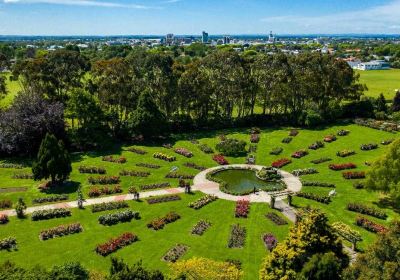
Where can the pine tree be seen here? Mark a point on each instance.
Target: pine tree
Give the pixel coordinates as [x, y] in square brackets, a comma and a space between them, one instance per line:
[396, 102]
[52, 161]
[380, 104]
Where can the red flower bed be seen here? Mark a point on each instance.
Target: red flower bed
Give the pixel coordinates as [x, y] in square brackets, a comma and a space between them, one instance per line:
[342, 166]
[116, 243]
[299, 154]
[330, 138]
[96, 192]
[254, 138]
[281, 162]
[220, 159]
[3, 219]
[370, 225]
[353, 175]
[242, 208]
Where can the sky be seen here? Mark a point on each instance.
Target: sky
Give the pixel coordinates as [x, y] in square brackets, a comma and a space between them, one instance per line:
[157, 17]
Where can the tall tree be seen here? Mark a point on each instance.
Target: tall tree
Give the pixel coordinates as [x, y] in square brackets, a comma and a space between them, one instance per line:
[380, 104]
[396, 102]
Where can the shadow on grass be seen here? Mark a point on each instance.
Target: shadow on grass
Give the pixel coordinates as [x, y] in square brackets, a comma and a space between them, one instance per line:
[66, 188]
[388, 203]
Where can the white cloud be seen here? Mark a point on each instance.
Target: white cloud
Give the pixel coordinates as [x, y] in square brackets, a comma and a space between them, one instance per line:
[379, 19]
[91, 3]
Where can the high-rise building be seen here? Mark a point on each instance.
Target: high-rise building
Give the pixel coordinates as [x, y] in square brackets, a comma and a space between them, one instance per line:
[204, 37]
[169, 39]
[271, 37]
[227, 40]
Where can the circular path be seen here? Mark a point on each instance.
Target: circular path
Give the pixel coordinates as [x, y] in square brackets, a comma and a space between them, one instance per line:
[201, 183]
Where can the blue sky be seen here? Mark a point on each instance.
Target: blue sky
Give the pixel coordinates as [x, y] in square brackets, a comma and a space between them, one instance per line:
[117, 17]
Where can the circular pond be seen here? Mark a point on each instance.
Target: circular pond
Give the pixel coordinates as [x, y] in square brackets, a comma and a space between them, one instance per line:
[242, 181]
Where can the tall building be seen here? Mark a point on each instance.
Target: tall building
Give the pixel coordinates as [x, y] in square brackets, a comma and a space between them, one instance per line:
[169, 39]
[271, 37]
[227, 40]
[204, 37]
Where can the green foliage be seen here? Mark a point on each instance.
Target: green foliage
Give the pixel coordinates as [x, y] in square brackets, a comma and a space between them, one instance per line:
[121, 271]
[20, 208]
[396, 102]
[312, 118]
[52, 161]
[231, 147]
[69, 271]
[380, 104]
[322, 267]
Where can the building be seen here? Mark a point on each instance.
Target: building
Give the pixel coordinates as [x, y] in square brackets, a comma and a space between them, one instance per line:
[373, 65]
[204, 37]
[271, 37]
[169, 39]
[227, 40]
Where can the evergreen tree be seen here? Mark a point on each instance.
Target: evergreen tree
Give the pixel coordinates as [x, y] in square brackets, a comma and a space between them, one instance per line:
[380, 104]
[396, 102]
[322, 267]
[20, 208]
[52, 161]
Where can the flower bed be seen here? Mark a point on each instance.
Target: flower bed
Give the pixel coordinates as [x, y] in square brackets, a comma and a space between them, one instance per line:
[50, 214]
[321, 160]
[53, 198]
[370, 225]
[317, 184]
[242, 208]
[8, 243]
[23, 176]
[154, 186]
[299, 154]
[381, 125]
[3, 219]
[293, 132]
[5, 203]
[162, 199]
[91, 170]
[231, 147]
[183, 152]
[278, 220]
[305, 171]
[358, 185]
[254, 138]
[206, 149]
[281, 162]
[200, 227]
[343, 132]
[164, 157]
[11, 165]
[105, 190]
[133, 173]
[114, 160]
[237, 237]
[342, 166]
[195, 166]
[368, 147]
[366, 210]
[59, 231]
[270, 241]
[167, 146]
[276, 151]
[137, 151]
[148, 165]
[175, 253]
[159, 223]
[115, 244]
[106, 206]
[104, 180]
[345, 153]
[317, 145]
[202, 201]
[287, 140]
[119, 217]
[175, 175]
[387, 142]
[220, 159]
[353, 175]
[316, 197]
[252, 148]
[330, 138]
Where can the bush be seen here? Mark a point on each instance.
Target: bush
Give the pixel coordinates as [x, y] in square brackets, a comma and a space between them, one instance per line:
[53, 198]
[276, 151]
[50, 214]
[343, 132]
[279, 221]
[159, 223]
[105, 190]
[299, 154]
[353, 175]
[370, 225]
[136, 151]
[162, 199]
[321, 160]
[134, 173]
[175, 253]
[293, 132]
[318, 184]
[154, 186]
[3, 219]
[115, 160]
[231, 147]
[148, 165]
[206, 149]
[367, 210]
[202, 201]
[104, 180]
[342, 166]
[306, 171]
[5, 203]
[287, 140]
[330, 138]
[195, 166]
[115, 244]
[60, 231]
[316, 197]
[175, 175]
[8, 243]
[119, 217]
[92, 170]
[200, 227]
[317, 145]
[220, 159]
[270, 241]
[368, 147]
[313, 118]
[164, 157]
[281, 163]
[358, 185]
[106, 206]
[387, 142]
[255, 138]
[345, 153]
[237, 237]
[184, 152]
[242, 208]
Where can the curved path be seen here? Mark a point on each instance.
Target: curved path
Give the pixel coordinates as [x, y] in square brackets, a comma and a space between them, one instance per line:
[201, 183]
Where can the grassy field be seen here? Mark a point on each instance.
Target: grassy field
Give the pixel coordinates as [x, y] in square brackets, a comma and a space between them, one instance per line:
[213, 244]
[13, 87]
[381, 81]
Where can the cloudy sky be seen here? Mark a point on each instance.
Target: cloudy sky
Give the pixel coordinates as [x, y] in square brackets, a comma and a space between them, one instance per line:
[116, 17]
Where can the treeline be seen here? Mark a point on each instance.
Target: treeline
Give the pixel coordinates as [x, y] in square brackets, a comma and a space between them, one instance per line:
[148, 93]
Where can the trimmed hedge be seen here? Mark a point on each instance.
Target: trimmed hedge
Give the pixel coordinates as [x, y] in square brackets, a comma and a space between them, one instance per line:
[162, 199]
[53, 198]
[50, 214]
[106, 206]
[119, 217]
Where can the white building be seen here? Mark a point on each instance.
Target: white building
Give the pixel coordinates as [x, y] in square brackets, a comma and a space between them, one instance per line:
[373, 65]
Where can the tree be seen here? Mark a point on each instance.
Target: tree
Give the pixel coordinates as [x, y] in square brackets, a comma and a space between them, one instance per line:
[380, 104]
[311, 235]
[384, 174]
[69, 271]
[3, 87]
[207, 269]
[52, 161]
[121, 271]
[396, 102]
[20, 208]
[322, 267]
[381, 261]
[147, 119]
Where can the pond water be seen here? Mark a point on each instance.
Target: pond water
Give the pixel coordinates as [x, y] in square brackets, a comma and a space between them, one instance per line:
[240, 181]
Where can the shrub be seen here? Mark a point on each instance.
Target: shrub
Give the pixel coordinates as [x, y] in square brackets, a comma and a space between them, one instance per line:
[353, 175]
[167, 145]
[313, 118]
[287, 140]
[343, 132]
[8, 243]
[154, 186]
[220, 159]
[255, 138]
[270, 241]
[148, 165]
[318, 184]
[105, 190]
[305, 171]
[3, 219]
[50, 214]
[175, 175]
[206, 149]
[195, 166]
[53, 198]
[200, 227]
[387, 142]
[321, 160]
[366, 210]
[133, 173]
[255, 130]
[237, 237]
[104, 180]
[159, 223]
[370, 225]
[358, 185]
[202, 201]
[231, 147]
[115, 160]
[281, 163]
[293, 132]
[11, 165]
[5, 203]
[60, 231]
[242, 208]
[137, 151]
[162, 199]
[299, 154]
[184, 152]
[106, 206]
[316, 197]
[164, 157]
[279, 221]
[368, 147]
[23, 176]
[91, 170]
[330, 138]
[345, 153]
[115, 244]
[342, 166]
[276, 151]
[317, 145]
[119, 217]
[175, 253]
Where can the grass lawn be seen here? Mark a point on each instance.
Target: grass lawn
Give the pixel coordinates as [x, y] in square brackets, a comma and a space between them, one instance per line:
[213, 244]
[381, 81]
[13, 87]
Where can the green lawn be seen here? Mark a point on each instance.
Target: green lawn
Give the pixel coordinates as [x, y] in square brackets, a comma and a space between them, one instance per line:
[13, 87]
[153, 245]
[381, 81]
